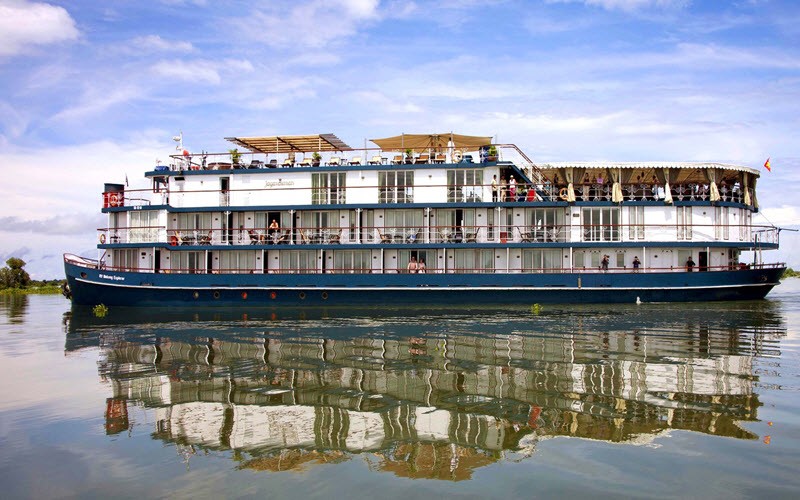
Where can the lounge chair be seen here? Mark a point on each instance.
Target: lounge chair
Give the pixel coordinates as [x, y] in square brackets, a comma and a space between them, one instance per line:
[273, 163]
[385, 238]
[335, 238]
[423, 158]
[288, 162]
[305, 162]
[376, 160]
[439, 158]
[335, 160]
[397, 160]
[356, 160]
[255, 239]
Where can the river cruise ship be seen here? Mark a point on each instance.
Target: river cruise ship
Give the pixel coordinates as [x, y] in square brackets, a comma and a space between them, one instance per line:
[423, 219]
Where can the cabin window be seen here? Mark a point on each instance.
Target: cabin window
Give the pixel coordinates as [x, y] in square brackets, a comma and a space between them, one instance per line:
[396, 186]
[318, 221]
[544, 224]
[126, 259]
[300, 261]
[541, 261]
[722, 223]
[186, 262]
[465, 185]
[328, 188]
[600, 224]
[684, 222]
[143, 226]
[474, 261]
[406, 223]
[635, 223]
[237, 262]
[352, 261]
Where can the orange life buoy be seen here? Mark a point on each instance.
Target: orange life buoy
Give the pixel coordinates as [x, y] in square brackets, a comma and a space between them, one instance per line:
[113, 200]
[173, 240]
[563, 194]
[102, 239]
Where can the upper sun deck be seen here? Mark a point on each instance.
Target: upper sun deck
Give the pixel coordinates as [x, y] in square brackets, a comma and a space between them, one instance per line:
[429, 169]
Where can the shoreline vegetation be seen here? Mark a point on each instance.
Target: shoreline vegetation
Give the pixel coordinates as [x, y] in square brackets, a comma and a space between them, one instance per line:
[14, 280]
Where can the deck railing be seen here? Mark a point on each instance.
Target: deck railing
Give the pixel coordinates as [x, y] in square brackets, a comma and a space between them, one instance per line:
[533, 234]
[408, 194]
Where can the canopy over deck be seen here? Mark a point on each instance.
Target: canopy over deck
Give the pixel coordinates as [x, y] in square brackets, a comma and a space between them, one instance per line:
[291, 143]
[431, 141]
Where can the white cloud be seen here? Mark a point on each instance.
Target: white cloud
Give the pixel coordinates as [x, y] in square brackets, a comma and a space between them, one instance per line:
[154, 43]
[628, 5]
[200, 71]
[313, 24]
[24, 25]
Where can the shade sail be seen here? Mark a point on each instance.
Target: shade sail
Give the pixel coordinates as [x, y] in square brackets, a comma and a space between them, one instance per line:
[291, 143]
[421, 142]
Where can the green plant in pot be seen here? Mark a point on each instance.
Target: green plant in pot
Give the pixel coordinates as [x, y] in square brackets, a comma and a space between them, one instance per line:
[409, 156]
[315, 159]
[235, 155]
[491, 153]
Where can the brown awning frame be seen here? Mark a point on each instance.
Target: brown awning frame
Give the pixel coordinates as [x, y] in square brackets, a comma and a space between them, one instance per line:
[291, 143]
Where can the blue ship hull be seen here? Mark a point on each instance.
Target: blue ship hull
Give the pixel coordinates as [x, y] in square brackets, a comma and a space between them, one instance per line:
[91, 286]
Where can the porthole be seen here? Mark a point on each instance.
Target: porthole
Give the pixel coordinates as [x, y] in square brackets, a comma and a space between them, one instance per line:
[216, 295]
[83, 275]
[302, 295]
[324, 295]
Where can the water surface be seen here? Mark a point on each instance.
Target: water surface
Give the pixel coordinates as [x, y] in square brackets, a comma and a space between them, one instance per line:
[654, 400]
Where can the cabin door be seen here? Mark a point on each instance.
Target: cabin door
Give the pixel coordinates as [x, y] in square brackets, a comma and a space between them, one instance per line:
[703, 258]
[157, 261]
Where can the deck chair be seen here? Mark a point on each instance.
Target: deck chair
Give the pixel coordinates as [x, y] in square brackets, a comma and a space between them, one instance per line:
[254, 238]
[335, 238]
[385, 238]
[288, 162]
[356, 160]
[273, 163]
[470, 235]
[335, 160]
[397, 160]
[305, 162]
[376, 160]
[423, 158]
[439, 158]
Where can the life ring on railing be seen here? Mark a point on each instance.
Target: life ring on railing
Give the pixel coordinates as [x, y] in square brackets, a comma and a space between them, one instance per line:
[457, 155]
[102, 239]
[563, 194]
[173, 240]
[113, 200]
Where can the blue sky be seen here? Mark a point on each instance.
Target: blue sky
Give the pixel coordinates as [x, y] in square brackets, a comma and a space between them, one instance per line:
[93, 91]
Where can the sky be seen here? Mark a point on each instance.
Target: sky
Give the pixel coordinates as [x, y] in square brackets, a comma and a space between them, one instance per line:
[92, 92]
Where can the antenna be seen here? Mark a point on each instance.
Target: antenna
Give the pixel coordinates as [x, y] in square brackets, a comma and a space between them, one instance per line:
[179, 139]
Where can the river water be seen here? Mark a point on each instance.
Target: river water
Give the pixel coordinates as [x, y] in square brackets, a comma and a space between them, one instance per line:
[650, 400]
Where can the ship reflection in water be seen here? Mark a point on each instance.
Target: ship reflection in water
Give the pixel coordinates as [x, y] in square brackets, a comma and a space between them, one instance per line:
[436, 395]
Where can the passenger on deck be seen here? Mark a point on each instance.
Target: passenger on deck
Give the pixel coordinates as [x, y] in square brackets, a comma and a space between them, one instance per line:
[412, 265]
[689, 264]
[274, 227]
[604, 263]
[636, 264]
[421, 266]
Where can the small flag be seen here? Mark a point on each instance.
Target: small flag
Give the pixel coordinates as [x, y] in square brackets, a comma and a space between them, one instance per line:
[767, 165]
[126, 180]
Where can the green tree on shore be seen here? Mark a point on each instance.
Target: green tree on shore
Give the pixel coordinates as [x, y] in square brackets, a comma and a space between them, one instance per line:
[13, 276]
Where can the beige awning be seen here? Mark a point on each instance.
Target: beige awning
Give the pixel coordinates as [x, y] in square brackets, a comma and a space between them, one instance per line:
[421, 142]
[291, 143]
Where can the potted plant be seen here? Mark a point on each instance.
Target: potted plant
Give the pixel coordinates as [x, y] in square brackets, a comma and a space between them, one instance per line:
[409, 156]
[491, 153]
[235, 156]
[315, 159]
